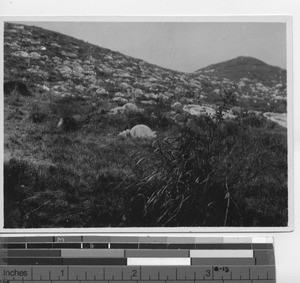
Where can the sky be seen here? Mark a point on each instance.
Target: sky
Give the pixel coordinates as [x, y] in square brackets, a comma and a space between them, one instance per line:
[182, 46]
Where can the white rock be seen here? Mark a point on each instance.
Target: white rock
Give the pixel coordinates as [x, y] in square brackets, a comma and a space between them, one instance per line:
[176, 106]
[80, 88]
[22, 54]
[198, 110]
[138, 131]
[120, 100]
[116, 110]
[101, 91]
[35, 55]
[148, 102]
[131, 107]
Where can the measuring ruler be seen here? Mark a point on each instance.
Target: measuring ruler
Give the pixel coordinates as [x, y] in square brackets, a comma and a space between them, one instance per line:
[116, 259]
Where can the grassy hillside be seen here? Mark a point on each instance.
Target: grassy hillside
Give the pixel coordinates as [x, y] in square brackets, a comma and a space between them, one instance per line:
[200, 170]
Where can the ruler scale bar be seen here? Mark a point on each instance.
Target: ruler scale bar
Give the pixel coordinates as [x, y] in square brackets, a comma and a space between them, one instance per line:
[132, 259]
[132, 273]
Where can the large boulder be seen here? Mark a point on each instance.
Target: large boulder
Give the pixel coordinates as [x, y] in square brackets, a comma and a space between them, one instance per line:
[138, 131]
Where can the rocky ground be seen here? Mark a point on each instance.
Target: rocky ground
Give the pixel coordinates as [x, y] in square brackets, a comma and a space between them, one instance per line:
[67, 100]
[64, 66]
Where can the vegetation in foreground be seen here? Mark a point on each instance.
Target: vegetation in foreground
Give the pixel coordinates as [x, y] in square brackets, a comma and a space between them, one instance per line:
[207, 172]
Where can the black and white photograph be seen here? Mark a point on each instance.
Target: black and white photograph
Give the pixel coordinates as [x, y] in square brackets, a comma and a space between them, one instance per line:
[162, 123]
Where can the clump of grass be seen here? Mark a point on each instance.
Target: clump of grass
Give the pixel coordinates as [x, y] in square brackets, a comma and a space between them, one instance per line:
[205, 172]
[38, 113]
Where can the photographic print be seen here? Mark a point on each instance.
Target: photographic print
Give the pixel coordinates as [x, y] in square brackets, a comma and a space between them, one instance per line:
[145, 124]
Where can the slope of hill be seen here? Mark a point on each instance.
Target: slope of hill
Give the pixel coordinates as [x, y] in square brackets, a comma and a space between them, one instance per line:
[49, 60]
[67, 100]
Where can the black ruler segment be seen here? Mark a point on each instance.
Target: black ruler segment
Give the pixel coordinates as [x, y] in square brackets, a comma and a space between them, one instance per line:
[124, 246]
[152, 246]
[262, 246]
[223, 246]
[66, 245]
[13, 246]
[182, 246]
[95, 261]
[34, 261]
[95, 246]
[39, 246]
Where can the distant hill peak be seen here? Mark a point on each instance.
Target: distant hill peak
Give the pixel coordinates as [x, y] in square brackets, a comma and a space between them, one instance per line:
[245, 67]
[240, 60]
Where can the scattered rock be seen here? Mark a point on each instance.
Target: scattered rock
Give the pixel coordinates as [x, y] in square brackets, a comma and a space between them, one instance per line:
[120, 100]
[138, 93]
[148, 102]
[65, 70]
[177, 106]
[35, 55]
[116, 110]
[131, 108]
[278, 118]
[80, 88]
[180, 118]
[197, 110]
[101, 91]
[22, 54]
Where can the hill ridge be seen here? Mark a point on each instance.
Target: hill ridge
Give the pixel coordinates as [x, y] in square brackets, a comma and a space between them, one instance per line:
[241, 58]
